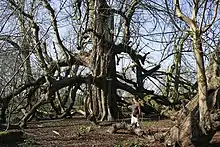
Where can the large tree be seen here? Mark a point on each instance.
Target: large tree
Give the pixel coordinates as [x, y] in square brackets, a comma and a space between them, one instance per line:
[86, 62]
[196, 26]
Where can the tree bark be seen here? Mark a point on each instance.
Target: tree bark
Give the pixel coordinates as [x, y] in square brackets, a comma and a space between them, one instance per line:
[200, 131]
[124, 126]
[187, 131]
[204, 116]
[103, 61]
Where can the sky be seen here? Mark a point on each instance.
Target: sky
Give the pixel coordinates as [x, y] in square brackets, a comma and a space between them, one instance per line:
[151, 39]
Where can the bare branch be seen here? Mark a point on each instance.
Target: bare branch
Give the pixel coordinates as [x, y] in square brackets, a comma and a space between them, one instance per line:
[214, 16]
[171, 17]
[13, 3]
[186, 19]
[55, 27]
[195, 10]
[203, 15]
[22, 88]
[36, 40]
[9, 40]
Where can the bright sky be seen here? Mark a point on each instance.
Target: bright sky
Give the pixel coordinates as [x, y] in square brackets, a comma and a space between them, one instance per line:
[150, 40]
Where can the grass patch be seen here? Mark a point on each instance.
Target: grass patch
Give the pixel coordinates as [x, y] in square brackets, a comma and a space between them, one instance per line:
[28, 142]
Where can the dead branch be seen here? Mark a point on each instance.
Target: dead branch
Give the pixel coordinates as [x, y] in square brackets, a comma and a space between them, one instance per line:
[124, 126]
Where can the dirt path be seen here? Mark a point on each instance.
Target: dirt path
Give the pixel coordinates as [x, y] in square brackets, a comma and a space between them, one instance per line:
[81, 133]
[78, 132]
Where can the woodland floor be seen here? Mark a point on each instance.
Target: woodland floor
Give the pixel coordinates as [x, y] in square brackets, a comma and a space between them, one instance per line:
[78, 132]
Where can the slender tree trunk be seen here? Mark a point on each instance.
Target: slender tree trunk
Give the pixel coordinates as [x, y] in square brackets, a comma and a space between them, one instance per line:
[98, 92]
[204, 116]
[177, 64]
[196, 132]
[25, 45]
[178, 48]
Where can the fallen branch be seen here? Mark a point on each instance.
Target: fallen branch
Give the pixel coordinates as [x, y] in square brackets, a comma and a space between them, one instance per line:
[124, 126]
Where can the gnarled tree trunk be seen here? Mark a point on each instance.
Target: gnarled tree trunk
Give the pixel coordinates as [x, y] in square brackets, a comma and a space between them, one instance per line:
[103, 62]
